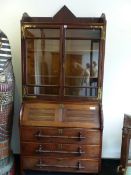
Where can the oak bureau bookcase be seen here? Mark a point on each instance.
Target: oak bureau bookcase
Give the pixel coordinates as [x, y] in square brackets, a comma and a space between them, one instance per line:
[62, 77]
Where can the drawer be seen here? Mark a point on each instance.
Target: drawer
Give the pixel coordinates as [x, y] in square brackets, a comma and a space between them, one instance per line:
[60, 164]
[60, 150]
[61, 135]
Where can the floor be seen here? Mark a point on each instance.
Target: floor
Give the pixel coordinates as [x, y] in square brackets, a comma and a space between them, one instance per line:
[109, 167]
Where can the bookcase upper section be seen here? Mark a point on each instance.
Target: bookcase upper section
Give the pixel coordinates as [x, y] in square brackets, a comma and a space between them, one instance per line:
[63, 56]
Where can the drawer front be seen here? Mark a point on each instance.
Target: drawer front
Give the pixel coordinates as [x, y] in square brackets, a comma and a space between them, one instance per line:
[60, 150]
[60, 164]
[61, 135]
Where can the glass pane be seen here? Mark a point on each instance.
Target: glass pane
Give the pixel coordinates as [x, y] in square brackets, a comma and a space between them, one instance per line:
[79, 46]
[81, 92]
[81, 67]
[42, 33]
[95, 59]
[43, 63]
[83, 33]
[128, 170]
[49, 90]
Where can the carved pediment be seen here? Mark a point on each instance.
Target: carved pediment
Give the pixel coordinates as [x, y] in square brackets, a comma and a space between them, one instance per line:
[64, 15]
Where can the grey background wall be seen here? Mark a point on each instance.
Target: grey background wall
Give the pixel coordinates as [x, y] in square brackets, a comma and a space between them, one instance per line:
[117, 81]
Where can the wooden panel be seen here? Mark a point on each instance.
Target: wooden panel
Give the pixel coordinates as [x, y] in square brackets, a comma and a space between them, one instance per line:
[37, 112]
[61, 135]
[60, 150]
[61, 164]
[82, 113]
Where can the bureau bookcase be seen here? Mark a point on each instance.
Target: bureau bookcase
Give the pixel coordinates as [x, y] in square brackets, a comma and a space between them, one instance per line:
[61, 120]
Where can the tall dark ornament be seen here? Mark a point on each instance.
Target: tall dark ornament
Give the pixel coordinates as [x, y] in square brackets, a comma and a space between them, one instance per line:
[6, 105]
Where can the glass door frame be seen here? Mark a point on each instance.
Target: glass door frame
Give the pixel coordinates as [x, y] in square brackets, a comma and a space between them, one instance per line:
[100, 57]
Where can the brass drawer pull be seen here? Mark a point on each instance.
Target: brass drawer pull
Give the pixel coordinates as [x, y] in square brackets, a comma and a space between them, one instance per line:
[41, 150]
[80, 137]
[78, 166]
[38, 135]
[80, 152]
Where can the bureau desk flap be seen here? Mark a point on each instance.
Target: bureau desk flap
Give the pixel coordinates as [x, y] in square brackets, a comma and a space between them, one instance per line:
[61, 115]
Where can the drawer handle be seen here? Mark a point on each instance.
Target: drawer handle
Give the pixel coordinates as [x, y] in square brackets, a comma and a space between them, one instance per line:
[78, 166]
[41, 150]
[39, 135]
[80, 137]
[80, 152]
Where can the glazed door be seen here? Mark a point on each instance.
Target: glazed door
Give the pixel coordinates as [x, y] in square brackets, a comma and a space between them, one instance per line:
[42, 60]
[82, 58]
